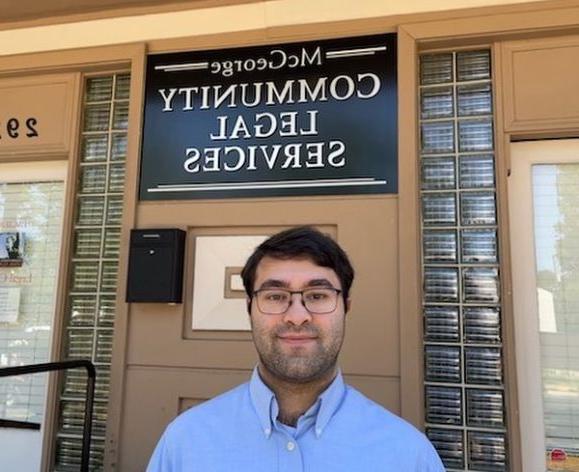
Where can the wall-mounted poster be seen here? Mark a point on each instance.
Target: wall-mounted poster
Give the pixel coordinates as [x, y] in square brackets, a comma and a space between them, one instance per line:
[11, 249]
[9, 304]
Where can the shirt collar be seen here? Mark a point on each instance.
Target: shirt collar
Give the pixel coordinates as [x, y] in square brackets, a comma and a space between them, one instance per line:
[266, 407]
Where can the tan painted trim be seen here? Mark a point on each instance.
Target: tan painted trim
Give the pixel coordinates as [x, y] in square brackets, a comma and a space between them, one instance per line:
[130, 199]
[507, 20]
[91, 59]
[409, 270]
[54, 144]
[118, 12]
[282, 20]
[502, 171]
[53, 390]
[513, 121]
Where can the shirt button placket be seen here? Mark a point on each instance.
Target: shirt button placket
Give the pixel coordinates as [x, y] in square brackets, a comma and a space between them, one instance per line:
[291, 456]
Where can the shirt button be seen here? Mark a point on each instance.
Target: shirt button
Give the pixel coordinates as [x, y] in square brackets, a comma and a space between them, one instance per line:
[290, 446]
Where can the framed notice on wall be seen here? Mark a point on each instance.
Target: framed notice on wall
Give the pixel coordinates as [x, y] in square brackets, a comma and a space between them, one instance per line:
[315, 118]
[11, 249]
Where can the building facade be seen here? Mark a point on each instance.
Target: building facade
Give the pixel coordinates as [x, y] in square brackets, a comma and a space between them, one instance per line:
[465, 316]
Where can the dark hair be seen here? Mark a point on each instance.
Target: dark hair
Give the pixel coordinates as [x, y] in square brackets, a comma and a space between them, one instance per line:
[301, 242]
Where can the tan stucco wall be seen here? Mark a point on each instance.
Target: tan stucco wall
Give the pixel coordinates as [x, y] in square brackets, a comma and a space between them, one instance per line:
[232, 18]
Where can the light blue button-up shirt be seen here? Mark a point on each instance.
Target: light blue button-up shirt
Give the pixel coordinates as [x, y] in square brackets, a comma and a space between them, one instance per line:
[343, 431]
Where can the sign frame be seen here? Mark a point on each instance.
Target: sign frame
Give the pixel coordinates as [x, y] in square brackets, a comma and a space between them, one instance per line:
[311, 118]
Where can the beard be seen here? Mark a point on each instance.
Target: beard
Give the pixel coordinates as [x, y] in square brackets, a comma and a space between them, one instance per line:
[299, 364]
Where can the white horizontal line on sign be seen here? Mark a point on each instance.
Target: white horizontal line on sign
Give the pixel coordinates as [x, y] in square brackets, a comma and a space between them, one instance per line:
[180, 67]
[268, 185]
[354, 52]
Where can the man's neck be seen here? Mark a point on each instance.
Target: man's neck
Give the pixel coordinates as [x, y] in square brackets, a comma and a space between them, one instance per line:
[293, 398]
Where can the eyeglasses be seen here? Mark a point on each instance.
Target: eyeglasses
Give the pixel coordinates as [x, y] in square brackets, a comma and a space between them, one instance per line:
[276, 301]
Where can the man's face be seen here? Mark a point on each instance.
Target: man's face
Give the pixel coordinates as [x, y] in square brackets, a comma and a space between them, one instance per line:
[297, 346]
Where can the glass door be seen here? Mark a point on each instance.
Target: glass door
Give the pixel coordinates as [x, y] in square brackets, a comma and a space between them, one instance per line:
[544, 221]
[31, 204]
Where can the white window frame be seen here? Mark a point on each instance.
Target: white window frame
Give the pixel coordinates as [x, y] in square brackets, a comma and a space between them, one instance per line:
[526, 315]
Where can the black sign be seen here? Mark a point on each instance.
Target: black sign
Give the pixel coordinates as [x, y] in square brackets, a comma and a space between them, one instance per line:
[316, 118]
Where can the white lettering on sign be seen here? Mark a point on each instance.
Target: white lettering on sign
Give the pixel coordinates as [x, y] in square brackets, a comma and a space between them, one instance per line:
[276, 156]
[278, 59]
[342, 87]
[267, 125]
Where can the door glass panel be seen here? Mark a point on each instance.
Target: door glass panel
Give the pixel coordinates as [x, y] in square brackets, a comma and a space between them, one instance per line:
[30, 222]
[556, 224]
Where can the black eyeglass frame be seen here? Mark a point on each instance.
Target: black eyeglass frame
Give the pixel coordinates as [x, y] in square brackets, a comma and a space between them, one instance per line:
[293, 292]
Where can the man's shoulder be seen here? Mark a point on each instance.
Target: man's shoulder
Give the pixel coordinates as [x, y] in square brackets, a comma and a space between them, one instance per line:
[373, 415]
[213, 411]
[380, 427]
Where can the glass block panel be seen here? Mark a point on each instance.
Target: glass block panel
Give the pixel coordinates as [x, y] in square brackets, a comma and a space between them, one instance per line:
[441, 324]
[103, 382]
[114, 210]
[475, 135]
[104, 347]
[75, 383]
[439, 246]
[476, 171]
[443, 405]
[440, 284]
[439, 209]
[84, 276]
[71, 417]
[482, 325]
[69, 452]
[93, 179]
[449, 443]
[82, 310]
[479, 245]
[487, 451]
[474, 99]
[483, 365]
[437, 137]
[477, 208]
[87, 243]
[119, 147]
[99, 89]
[485, 408]
[112, 243]
[438, 173]
[99, 419]
[106, 311]
[480, 285]
[436, 103]
[122, 85]
[94, 148]
[436, 69]
[116, 178]
[80, 343]
[96, 117]
[442, 364]
[121, 115]
[109, 276]
[473, 65]
[90, 211]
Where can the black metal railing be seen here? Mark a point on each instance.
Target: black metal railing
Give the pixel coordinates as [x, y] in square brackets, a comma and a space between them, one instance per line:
[88, 407]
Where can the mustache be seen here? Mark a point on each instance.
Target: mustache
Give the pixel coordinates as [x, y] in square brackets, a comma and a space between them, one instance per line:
[308, 331]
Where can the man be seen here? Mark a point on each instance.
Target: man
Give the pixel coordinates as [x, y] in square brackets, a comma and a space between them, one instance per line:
[296, 413]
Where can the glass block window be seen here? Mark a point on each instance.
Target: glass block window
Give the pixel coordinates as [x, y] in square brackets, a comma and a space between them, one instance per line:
[463, 363]
[93, 271]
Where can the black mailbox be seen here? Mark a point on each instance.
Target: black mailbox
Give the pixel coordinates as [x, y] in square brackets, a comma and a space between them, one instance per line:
[156, 266]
